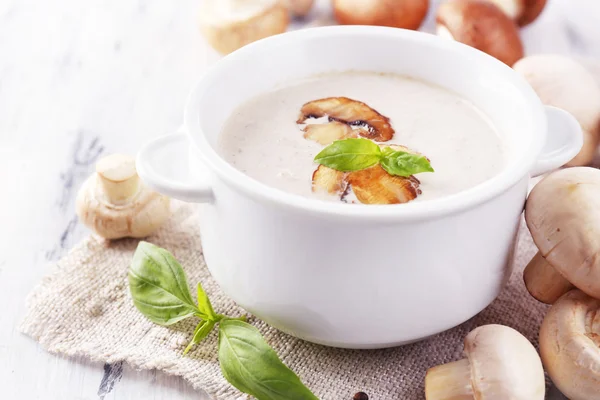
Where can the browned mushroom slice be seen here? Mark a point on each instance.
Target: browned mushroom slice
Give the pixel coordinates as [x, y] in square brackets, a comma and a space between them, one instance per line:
[329, 180]
[375, 186]
[351, 112]
[326, 134]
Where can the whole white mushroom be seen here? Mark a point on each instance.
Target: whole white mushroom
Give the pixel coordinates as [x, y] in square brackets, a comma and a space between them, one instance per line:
[231, 24]
[570, 345]
[562, 82]
[500, 364]
[115, 204]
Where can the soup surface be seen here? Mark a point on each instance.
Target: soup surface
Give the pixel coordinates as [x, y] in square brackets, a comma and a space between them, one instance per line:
[266, 139]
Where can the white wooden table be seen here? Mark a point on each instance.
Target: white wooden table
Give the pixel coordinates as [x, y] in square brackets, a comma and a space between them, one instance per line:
[83, 78]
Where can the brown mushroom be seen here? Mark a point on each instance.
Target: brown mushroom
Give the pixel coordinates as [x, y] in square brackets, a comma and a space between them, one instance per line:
[500, 364]
[482, 25]
[353, 112]
[563, 217]
[570, 345]
[407, 14]
[562, 82]
[231, 24]
[326, 134]
[523, 12]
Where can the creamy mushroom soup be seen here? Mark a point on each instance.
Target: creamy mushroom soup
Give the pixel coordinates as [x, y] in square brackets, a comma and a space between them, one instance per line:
[275, 137]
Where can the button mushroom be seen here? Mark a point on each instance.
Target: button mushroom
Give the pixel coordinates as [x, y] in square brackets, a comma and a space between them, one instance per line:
[482, 25]
[114, 203]
[562, 82]
[501, 364]
[523, 12]
[231, 24]
[570, 345]
[562, 216]
[407, 14]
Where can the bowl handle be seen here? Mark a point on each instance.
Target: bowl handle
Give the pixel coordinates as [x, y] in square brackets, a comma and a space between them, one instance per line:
[564, 140]
[163, 164]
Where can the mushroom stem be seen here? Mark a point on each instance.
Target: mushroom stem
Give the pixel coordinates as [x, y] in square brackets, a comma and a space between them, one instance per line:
[450, 381]
[118, 177]
[543, 281]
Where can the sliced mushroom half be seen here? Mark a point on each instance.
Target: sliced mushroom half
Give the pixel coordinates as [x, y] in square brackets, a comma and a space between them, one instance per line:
[352, 112]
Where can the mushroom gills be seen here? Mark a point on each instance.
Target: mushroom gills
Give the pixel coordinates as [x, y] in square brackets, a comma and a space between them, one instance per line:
[352, 112]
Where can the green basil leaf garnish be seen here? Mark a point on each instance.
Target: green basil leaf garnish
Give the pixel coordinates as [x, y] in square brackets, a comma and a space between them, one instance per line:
[402, 163]
[357, 154]
[200, 333]
[204, 304]
[349, 155]
[158, 286]
[251, 365]
[160, 291]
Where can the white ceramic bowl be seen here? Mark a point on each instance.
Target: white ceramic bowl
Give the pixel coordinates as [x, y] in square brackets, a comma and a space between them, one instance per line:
[358, 276]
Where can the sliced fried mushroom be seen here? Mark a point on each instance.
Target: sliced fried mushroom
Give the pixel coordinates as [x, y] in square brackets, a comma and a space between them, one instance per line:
[563, 217]
[407, 14]
[375, 186]
[501, 364]
[114, 203]
[562, 82]
[231, 24]
[353, 112]
[570, 345]
[300, 8]
[329, 180]
[326, 134]
[482, 25]
[523, 12]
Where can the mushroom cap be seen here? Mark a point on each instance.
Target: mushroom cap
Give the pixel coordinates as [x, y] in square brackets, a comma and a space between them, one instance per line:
[504, 365]
[482, 25]
[407, 14]
[564, 220]
[523, 12]
[570, 345]
[231, 24]
[562, 82]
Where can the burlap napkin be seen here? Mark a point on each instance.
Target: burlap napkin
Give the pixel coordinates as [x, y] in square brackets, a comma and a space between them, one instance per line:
[83, 308]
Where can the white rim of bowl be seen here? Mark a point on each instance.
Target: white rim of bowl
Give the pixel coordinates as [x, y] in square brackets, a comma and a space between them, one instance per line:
[511, 174]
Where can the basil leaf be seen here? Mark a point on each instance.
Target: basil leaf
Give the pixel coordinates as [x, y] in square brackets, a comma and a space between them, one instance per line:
[349, 155]
[405, 164]
[158, 286]
[204, 305]
[252, 366]
[201, 332]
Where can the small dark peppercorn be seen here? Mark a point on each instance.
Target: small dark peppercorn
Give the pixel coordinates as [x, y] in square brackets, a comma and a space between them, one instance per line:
[360, 396]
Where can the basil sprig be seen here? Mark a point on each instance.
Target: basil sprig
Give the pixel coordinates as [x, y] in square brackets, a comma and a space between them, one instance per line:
[357, 154]
[160, 291]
